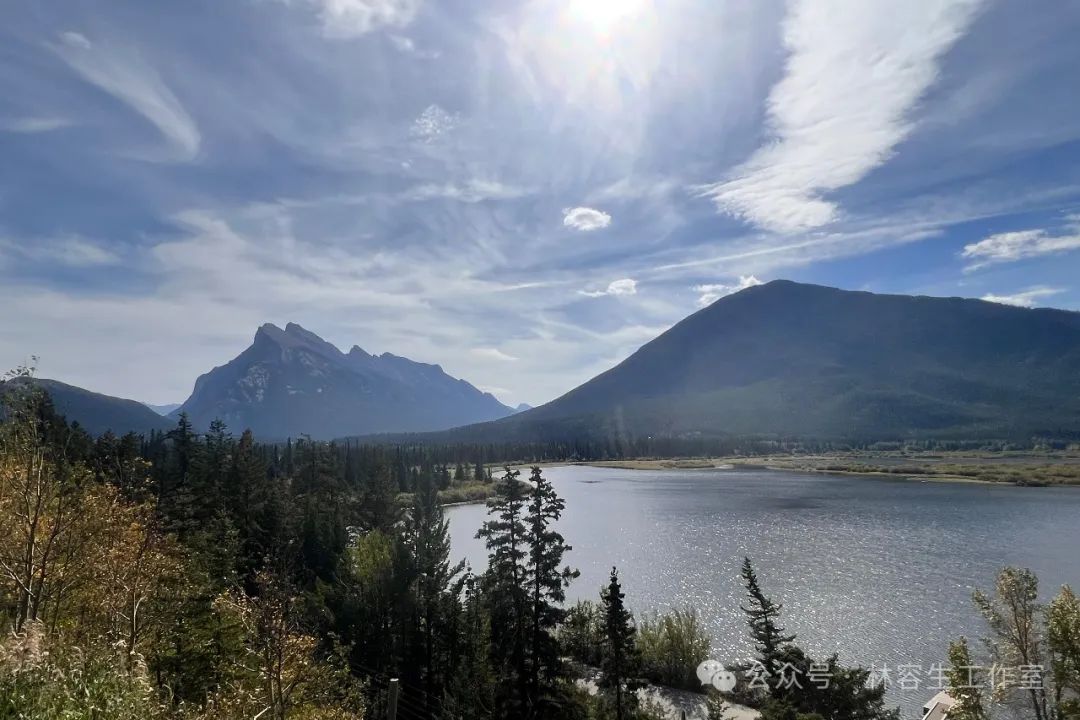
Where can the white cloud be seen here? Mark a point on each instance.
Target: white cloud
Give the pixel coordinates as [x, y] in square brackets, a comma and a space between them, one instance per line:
[625, 286]
[125, 76]
[712, 293]
[1012, 246]
[345, 19]
[585, 219]
[433, 123]
[34, 124]
[472, 191]
[74, 39]
[854, 73]
[490, 353]
[1027, 298]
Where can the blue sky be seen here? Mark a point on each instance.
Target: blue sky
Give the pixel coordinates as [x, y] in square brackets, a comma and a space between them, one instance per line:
[522, 191]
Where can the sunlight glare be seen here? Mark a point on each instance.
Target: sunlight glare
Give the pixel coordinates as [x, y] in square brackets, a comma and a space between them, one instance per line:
[604, 15]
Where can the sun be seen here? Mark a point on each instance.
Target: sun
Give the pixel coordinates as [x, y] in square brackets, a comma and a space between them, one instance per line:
[605, 15]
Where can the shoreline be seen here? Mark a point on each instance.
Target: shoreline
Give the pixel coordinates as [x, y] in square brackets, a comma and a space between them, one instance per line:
[1014, 471]
[983, 471]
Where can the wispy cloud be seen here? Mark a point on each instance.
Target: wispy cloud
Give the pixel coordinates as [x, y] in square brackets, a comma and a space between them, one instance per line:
[585, 219]
[850, 83]
[1028, 298]
[70, 251]
[34, 124]
[712, 293]
[1013, 246]
[625, 286]
[490, 353]
[471, 191]
[74, 39]
[345, 19]
[128, 78]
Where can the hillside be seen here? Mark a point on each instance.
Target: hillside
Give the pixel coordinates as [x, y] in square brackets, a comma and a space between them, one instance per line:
[97, 413]
[795, 360]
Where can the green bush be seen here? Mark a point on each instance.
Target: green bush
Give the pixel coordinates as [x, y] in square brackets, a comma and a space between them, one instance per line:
[581, 633]
[672, 646]
[50, 681]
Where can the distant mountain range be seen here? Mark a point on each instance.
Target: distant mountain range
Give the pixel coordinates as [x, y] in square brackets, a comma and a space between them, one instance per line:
[778, 360]
[795, 360]
[291, 382]
[163, 409]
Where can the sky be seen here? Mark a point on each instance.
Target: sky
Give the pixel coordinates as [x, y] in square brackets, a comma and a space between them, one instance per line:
[523, 191]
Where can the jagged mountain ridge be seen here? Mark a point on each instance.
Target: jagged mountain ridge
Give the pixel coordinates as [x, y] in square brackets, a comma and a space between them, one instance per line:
[291, 382]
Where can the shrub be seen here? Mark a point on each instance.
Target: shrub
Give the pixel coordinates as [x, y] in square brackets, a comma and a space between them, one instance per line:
[672, 646]
[40, 678]
[581, 632]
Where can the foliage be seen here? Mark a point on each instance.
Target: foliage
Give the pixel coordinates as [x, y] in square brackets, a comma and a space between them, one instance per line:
[847, 694]
[672, 645]
[282, 674]
[762, 615]
[964, 686]
[620, 661]
[1011, 613]
[581, 633]
[1063, 642]
[43, 678]
[524, 588]
[1042, 645]
[194, 575]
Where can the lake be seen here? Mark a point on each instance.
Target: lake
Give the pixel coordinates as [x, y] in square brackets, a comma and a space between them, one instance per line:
[880, 570]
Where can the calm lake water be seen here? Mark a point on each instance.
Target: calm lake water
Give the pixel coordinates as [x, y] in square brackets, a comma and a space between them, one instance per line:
[878, 570]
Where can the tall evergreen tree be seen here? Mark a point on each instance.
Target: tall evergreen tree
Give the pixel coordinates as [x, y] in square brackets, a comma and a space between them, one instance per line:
[547, 585]
[380, 508]
[762, 615]
[177, 501]
[504, 589]
[620, 660]
[257, 506]
[439, 587]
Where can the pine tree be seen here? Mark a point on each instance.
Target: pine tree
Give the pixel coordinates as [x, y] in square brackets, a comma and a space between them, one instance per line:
[762, 615]
[439, 586]
[620, 660]
[178, 504]
[380, 508]
[257, 507]
[547, 584]
[504, 590]
[472, 690]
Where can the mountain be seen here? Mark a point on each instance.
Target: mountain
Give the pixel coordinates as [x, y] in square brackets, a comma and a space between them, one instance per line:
[292, 382]
[97, 413]
[163, 409]
[795, 360]
[523, 407]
